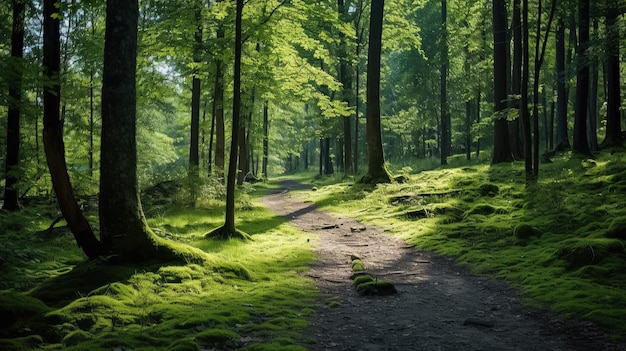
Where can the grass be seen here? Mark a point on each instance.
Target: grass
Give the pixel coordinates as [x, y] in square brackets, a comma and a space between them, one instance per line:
[249, 295]
[561, 241]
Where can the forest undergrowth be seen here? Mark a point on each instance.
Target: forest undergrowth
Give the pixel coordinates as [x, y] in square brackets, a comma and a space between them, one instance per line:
[561, 240]
[246, 295]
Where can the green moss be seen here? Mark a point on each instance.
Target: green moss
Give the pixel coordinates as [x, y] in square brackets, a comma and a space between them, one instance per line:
[362, 279]
[357, 266]
[488, 189]
[379, 287]
[578, 253]
[213, 336]
[187, 344]
[525, 231]
[76, 337]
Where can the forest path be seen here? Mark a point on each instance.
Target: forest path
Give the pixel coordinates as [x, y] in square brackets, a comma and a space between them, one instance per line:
[438, 306]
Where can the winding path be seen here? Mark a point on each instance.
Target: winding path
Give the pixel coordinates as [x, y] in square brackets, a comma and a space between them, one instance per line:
[439, 306]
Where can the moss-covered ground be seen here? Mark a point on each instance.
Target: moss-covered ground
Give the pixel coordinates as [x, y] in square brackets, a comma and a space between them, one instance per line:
[247, 295]
[561, 240]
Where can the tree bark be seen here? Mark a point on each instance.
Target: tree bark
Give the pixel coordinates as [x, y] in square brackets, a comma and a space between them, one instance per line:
[124, 231]
[266, 137]
[376, 171]
[581, 144]
[501, 147]
[194, 146]
[562, 137]
[443, 98]
[218, 113]
[524, 114]
[53, 136]
[345, 76]
[516, 81]
[11, 196]
[228, 230]
[613, 118]
[592, 110]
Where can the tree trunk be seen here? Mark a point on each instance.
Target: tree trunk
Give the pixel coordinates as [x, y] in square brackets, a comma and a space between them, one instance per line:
[562, 138]
[524, 114]
[11, 196]
[376, 171]
[592, 109]
[53, 136]
[613, 117]
[539, 57]
[443, 75]
[218, 114]
[345, 76]
[516, 82]
[266, 137]
[581, 144]
[501, 147]
[228, 230]
[123, 228]
[194, 146]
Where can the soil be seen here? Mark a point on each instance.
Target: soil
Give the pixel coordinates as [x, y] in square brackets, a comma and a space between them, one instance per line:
[438, 305]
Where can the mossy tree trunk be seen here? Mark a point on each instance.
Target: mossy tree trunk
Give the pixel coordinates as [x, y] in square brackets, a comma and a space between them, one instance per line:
[11, 196]
[123, 227]
[376, 170]
[53, 135]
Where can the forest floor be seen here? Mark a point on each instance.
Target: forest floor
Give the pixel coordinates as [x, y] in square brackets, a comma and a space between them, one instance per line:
[438, 305]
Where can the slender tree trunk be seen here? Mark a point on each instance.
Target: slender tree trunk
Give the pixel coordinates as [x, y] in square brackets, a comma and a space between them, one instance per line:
[11, 196]
[524, 114]
[218, 113]
[562, 138]
[345, 75]
[194, 145]
[581, 144]
[443, 73]
[229, 230]
[53, 136]
[376, 172]
[266, 138]
[478, 106]
[539, 57]
[211, 142]
[516, 81]
[613, 117]
[592, 110]
[501, 147]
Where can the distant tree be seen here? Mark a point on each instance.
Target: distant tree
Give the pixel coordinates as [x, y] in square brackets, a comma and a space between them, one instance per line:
[613, 117]
[501, 148]
[581, 144]
[376, 170]
[11, 196]
[124, 231]
[53, 134]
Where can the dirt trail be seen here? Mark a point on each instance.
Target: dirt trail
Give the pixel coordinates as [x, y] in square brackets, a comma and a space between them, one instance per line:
[439, 306]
